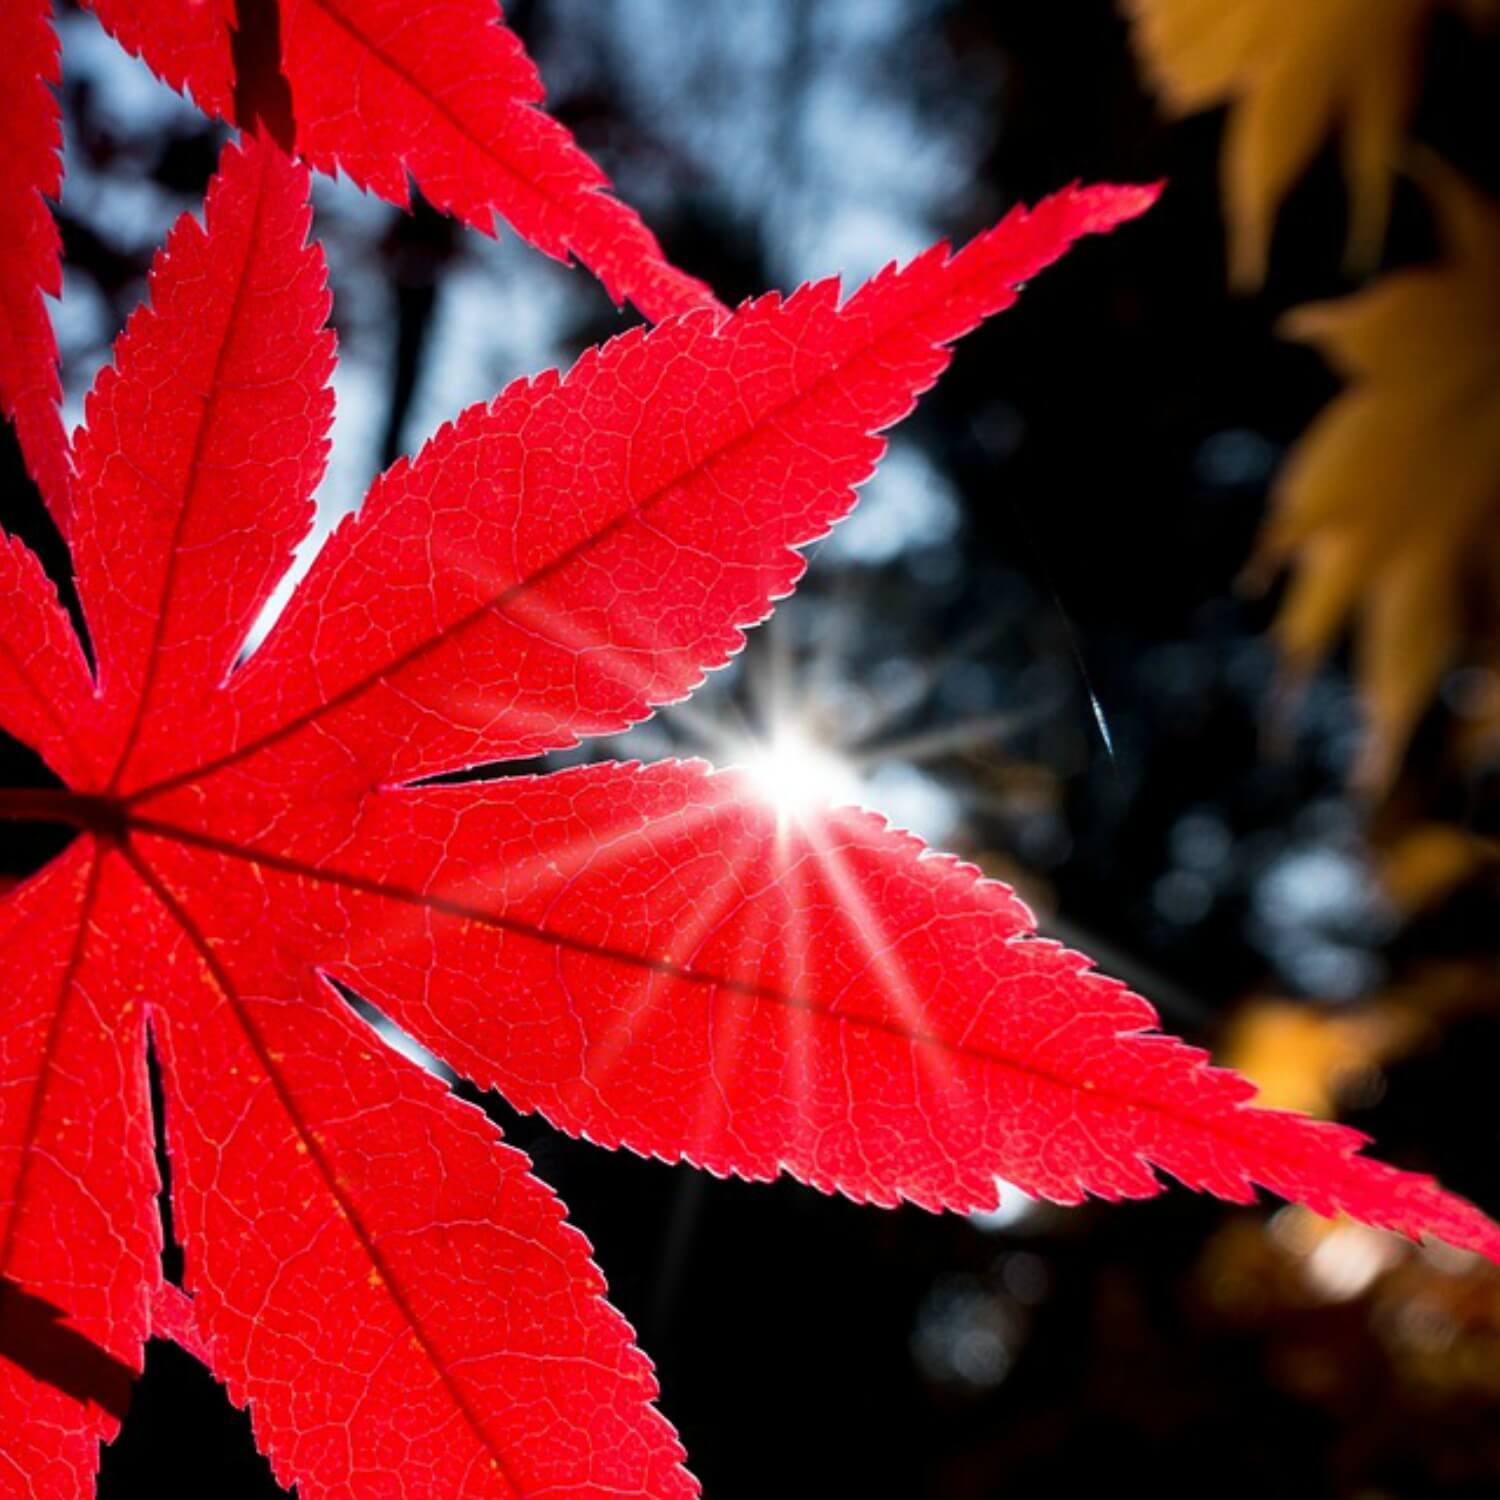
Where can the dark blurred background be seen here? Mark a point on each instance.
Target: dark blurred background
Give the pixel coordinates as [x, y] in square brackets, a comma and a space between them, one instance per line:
[1029, 644]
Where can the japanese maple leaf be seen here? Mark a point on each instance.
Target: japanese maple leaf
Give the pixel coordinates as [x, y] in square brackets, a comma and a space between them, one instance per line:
[1389, 504]
[651, 956]
[1291, 72]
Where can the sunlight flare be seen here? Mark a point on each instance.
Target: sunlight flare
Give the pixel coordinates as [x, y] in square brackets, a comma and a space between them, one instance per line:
[797, 774]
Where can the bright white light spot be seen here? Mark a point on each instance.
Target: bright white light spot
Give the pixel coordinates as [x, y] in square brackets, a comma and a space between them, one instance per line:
[1348, 1260]
[797, 775]
[1016, 1206]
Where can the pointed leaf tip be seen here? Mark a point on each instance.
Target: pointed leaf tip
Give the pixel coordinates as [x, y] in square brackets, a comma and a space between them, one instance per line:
[1110, 204]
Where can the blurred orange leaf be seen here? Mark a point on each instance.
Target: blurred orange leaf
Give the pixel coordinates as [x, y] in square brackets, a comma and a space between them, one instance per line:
[1426, 862]
[1303, 1059]
[1390, 504]
[1292, 71]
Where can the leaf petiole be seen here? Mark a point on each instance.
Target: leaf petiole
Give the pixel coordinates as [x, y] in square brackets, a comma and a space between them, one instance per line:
[86, 810]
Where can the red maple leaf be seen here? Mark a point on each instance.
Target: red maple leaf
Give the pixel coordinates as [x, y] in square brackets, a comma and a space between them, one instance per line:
[444, 95]
[648, 955]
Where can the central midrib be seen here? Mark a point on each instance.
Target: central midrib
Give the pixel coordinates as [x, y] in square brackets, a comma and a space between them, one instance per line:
[599, 190]
[1083, 1089]
[206, 419]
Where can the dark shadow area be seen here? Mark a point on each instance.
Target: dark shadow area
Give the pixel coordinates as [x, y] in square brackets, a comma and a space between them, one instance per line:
[184, 1437]
[33, 1336]
[171, 1251]
[262, 96]
[418, 248]
[26, 847]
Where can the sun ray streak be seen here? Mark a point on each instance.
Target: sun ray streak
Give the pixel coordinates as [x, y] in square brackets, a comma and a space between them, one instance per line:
[608, 1051]
[801, 1040]
[554, 865]
[978, 733]
[883, 954]
[724, 1038]
[924, 680]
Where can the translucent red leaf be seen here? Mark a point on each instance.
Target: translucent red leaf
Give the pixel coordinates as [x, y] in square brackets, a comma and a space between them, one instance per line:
[651, 957]
[30, 252]
[186, 43]
[451, 97]
[445, 96]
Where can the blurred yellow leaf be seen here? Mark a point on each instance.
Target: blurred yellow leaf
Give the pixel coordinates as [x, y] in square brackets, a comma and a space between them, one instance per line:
[1292, 71]
[1307, 1058]
[1390, 504]
[1303, 1059]
[1427, 862]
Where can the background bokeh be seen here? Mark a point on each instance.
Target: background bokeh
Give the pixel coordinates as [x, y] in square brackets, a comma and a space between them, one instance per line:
[1032, 643]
